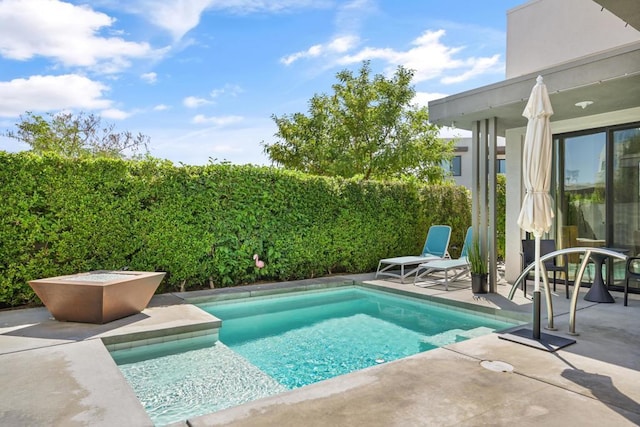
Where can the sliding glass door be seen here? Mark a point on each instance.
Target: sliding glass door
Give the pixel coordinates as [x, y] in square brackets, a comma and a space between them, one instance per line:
[597, 192]
[584, 187]
[626, 189]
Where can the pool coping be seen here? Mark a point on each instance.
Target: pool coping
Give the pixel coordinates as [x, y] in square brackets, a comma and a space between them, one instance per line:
[253, 291]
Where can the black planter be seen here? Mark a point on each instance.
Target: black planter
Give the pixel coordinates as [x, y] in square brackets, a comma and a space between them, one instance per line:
[479, 283]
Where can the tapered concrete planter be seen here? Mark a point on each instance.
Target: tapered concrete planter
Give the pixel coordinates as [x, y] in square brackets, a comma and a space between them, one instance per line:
[97, 296]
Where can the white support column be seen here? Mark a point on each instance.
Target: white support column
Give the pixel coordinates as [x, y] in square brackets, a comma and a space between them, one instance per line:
[492, 237]
[475, 179]
[482, 178]
[515, 193]
[484, 141]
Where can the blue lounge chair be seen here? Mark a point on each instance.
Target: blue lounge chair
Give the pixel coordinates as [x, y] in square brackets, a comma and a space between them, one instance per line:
[435, 247]
[459, 266]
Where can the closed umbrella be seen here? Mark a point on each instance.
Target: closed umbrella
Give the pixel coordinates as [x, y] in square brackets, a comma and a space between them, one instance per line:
[536, 215]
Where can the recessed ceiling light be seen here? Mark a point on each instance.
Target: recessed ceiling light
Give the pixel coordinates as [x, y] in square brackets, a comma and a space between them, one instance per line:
[583, 104]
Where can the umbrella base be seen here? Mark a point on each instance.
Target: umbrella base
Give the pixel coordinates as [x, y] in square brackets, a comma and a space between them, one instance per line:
[546, 342]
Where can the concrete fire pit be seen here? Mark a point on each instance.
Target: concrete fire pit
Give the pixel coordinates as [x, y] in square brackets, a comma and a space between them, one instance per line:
[97, 296]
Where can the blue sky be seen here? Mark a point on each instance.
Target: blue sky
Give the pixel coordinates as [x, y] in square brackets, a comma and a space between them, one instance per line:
[202, 78]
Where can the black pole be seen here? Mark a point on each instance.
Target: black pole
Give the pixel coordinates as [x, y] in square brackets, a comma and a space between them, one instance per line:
[536, 315]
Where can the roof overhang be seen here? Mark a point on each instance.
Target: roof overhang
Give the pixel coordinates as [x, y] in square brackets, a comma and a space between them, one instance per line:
[611, 80]
[627, 10]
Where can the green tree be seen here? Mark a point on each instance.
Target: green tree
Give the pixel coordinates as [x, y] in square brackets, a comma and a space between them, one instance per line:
[367, 128]
[80, 135]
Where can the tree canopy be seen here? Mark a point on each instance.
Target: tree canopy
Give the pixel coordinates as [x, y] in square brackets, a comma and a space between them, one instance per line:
[77, 135]
[368, 128]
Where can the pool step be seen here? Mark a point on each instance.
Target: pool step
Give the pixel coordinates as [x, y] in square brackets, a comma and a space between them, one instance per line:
[454, 335]
[176, 385]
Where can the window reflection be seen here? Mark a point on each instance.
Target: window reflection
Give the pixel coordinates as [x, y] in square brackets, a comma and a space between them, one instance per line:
[584, 187]
[592, 211]
[626, 189]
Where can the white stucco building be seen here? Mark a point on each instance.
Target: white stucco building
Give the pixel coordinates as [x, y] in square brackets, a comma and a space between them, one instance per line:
[460, 164]
[588, 52]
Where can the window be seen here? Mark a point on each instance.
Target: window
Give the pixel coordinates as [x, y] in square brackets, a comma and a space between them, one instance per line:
[501, 166]
[456, 166]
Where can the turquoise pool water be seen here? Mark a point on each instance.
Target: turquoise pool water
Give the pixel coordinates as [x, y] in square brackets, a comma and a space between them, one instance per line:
[268, 345]
[302, 339]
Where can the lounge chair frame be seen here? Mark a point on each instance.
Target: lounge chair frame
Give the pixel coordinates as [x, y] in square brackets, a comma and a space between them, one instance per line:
[435, 248]
[459, 266]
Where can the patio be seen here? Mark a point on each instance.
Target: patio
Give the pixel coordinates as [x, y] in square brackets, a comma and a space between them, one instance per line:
[57, 373]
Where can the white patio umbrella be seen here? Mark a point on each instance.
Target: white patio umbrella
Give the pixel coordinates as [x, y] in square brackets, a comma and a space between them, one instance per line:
[536, 215]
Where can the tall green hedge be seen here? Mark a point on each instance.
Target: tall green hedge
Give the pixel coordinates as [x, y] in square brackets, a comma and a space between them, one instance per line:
[202, 224]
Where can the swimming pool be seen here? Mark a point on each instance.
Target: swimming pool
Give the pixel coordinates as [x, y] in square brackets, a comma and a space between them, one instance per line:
[268, 345]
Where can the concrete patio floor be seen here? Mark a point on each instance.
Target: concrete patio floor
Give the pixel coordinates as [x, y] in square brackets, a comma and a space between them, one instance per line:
[60, 373]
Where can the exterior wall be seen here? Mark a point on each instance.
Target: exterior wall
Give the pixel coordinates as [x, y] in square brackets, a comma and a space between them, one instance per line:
[565, 30]
[515, 189]
[466, 158]
[465, 162]
[515, 194]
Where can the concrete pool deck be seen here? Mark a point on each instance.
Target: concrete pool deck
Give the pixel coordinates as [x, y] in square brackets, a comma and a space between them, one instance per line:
[60, 373]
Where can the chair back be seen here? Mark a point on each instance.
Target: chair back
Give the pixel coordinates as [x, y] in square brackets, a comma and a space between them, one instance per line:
[437, 242]
[468, 241]
[529, 251]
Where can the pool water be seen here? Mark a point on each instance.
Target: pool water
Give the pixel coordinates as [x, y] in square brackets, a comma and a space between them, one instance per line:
[302, 339]
[268, 345]
[191, 377]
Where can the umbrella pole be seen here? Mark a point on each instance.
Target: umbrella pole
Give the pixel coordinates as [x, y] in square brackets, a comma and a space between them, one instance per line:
[536, 290]
[533, 337]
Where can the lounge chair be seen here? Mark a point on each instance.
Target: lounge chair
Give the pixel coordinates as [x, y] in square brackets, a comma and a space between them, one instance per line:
[459, 266]
[435, 247]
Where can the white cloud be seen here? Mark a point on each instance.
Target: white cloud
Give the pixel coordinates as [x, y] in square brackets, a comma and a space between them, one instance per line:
[115, 114]
[161, 107]
[478, 66]
[309, 53]
[350, 15]
[229, 89]
[216, 120]
[47, 93]
[194, 102]
[422, 98]
[349, 18]
[179, 17]
[65, 33]
[150, 78]
[342, 44]
[429, 58]
[337, 45]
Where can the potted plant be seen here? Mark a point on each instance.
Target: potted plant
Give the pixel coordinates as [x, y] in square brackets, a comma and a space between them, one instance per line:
[478, 267]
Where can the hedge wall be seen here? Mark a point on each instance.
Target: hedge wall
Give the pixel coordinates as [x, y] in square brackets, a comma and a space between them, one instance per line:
[202, 224]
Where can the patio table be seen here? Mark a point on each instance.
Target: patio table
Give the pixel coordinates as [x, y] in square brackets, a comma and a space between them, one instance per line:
[599, 291]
